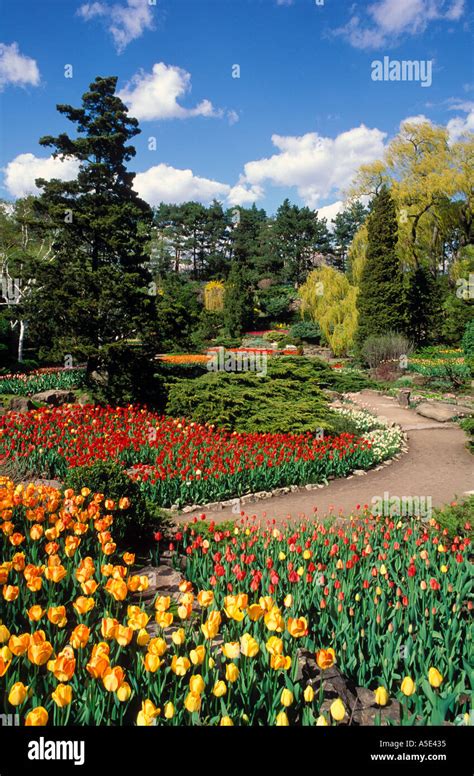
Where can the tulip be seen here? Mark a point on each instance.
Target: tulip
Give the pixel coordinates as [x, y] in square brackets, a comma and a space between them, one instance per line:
[4, 634]
[18, 645]
[113, 678]
[282, 720]
[287, 697]
[157, 646]
[226, 722]
[322, 721]
[325, 658]
[79, 636]
[35, 613]
[337, 710]
[248, 646]
[298, 626]
[39, 654]
[180, 665]
[192, 702]
[381, 696]
[196, 684]
[197, 655]
[219, 689]
[308, 694]
[169, 710]
[205, 598]
[231, 650]
[143, 637]
[124, 692]
[37, 717]
[178, 637]
[17, 694]
[434, 677]
[146, 716]
[231, 672]
[152, 662]
[408, 686]
[62, 696]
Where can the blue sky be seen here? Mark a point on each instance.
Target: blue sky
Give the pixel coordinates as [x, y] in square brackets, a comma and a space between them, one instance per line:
[297, 122]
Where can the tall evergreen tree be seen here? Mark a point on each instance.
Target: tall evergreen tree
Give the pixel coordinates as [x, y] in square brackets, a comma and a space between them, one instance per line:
[346, 225]
[380, 301]
[93, 291]
[238, 300]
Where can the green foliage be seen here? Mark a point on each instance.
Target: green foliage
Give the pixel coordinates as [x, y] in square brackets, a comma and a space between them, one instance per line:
[128, 376]
[423, 304]
[238, 301]
[468, 425]
[380, 301]
[133, 526]
[329, 299]
[288, 399]
[455, 517]
[385, 347]
[468, 340]
[307, 331]
[274, 302]
[178, 313]
[297, 235]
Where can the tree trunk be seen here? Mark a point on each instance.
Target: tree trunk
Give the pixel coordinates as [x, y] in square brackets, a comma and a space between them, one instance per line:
[21, 340]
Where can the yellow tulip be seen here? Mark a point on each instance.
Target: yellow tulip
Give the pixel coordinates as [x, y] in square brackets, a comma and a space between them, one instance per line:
[434, 677]
[231, 650]
[338, 710]
[248, 646]
[169, 710]
[192, 702]
[282, 720]
[124, 692]
[196, 684]
[205, 597]
[180, 665]
[408, 686]
[226, 722]
[287, 697]
[322, 721]
[231, 672]
[62, 696]
[178, 637]
[37, 717]
[4, 634]
[381, 696]
[219, 689]
[143, 637]
[308, 694]
[197, 655]
[17, 694]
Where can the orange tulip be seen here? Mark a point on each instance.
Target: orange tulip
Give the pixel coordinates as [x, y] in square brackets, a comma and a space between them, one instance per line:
[19, 644]
[37, 717]
[113, 678]
[325, 658]
[79, 636]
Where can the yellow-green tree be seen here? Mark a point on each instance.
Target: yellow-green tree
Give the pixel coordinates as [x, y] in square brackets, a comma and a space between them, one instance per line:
[328, 298]
[214, 296]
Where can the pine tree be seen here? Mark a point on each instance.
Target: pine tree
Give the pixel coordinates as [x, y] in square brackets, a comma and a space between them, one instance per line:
[238, 301]
[92, 293]
[380, 301]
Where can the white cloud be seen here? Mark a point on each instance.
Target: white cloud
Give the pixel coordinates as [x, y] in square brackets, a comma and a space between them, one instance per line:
[155, 95]
[124, 22]
[330, 211]
[318, 166]
[242, 194]
[20, 174]
[459, 125]
[16, 68]
[385, 22]
[163, 183]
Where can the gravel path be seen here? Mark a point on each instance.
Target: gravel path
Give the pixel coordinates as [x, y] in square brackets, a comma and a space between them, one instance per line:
[437, 465]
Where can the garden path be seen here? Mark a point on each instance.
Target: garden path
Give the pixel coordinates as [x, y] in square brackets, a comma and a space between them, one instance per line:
[437, 464]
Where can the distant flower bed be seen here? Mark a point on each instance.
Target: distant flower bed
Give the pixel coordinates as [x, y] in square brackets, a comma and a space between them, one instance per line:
[200, 358]
[49, 378]
[439, 366]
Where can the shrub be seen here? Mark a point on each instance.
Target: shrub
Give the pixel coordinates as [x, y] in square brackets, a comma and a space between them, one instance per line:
[135, 525]
[468, 346]
[306, 331]
[468, 425]
[385, 347]
[456, 517]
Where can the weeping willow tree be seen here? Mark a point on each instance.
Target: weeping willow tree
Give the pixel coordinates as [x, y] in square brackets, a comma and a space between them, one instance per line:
[356, 255]
[328, 298]
[214, 296]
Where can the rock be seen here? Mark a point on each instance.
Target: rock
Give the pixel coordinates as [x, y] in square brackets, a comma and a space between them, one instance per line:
[404, 397]
[20, 404]
[55, 398]
[442, 412]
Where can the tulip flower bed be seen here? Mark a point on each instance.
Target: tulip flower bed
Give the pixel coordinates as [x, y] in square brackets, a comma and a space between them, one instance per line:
[42, 380]
[181, 463]
[384, 601]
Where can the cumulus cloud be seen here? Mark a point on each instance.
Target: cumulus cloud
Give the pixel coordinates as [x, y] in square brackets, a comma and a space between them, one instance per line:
[317, 166]
[20, 174]
[155, 95]
[15, 68]
[330, 211]
[124, 22]
[459, 125]
[243, 194]
[163, 183]
[385, 22]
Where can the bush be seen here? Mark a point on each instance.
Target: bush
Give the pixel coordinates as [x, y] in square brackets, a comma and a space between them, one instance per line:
[135, 525]
[306, 331]
[468, 346]
[128, 377]
[247, 402]
[468, 425]
[456, 516]
[385, 347]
